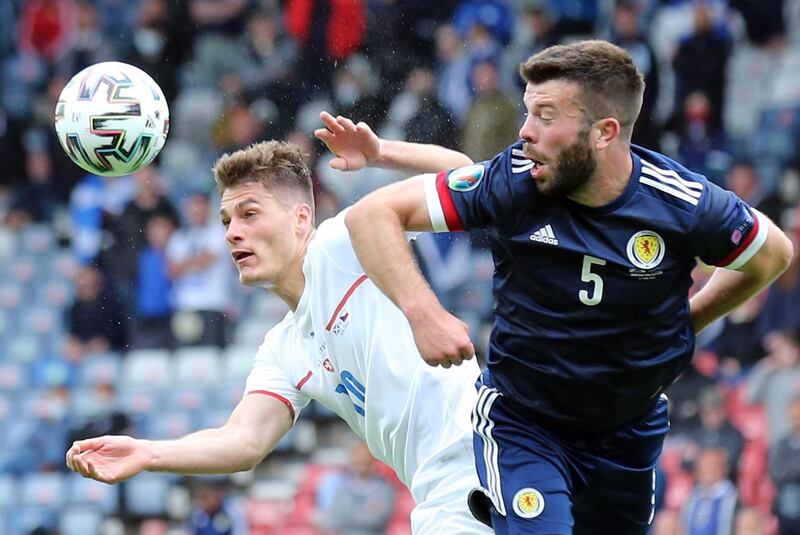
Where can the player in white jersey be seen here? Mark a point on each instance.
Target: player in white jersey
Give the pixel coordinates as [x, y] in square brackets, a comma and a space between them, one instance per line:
[343, 343]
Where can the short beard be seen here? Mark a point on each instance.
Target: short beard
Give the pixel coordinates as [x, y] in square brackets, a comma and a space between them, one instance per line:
[573, 168]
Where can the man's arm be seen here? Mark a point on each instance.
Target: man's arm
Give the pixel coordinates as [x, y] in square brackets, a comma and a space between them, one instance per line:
[356, 146]
[254, 428]
[376, 225]
[727, 289]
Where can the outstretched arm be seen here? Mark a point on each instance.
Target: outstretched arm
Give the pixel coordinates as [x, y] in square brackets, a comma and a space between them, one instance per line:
[376, 225]
[727, 289]
[256, 425]
[356, 146]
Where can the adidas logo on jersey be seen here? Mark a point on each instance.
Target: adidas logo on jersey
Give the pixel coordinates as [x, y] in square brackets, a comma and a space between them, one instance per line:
[545, 235]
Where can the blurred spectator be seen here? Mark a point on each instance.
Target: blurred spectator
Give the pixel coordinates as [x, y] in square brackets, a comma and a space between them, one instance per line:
[105, 419]
[742, 179]
[86, 44]
[493, 119]
[628, 35]
[127, 230]
[94, 321]
[153, 320]
[750, 521]
[36, 197]
[780, 205]
[781, 311]
[45, 26]
[158, 44]
[453, 71]
[763, 20]
[237, 126]
[711, 507]
[574, 19]
[202, 275]
[667, 522]
[41, 445]
[700, 66]
[488, 17]
[684, 395]
[360, 500]
[536, 34]
[214, 513]
[738, 346]
[700, 139]
[716, 431]
[328, 32]
[356, 92]
[418, 111]
[784, 469]
[267, 72]
[775, 381]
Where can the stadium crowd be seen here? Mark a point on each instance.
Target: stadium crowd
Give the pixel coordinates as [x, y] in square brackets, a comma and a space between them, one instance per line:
[120, 311]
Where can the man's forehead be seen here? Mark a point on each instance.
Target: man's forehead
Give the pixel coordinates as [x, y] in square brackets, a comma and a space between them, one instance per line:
[251, 192]
[558, 91]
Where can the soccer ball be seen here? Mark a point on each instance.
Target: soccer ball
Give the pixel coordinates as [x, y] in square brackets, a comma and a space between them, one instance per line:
[112, 118]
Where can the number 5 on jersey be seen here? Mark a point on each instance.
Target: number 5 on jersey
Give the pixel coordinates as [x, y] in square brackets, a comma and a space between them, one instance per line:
[592, 278]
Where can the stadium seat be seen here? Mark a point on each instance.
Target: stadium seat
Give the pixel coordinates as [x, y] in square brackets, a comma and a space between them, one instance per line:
[146, 494]
[100, 496]
[238, 361]
[101, 368]
[147, 367]
[187, 397]
[27, 518]
[37, 239]
[172, 424]
[23, 348]
[13, 377]
[80, 520]
[228, 395]
[197, 365]
[45, 489]
[679, 487]
[48, 372]
[267, 516]
[8, 492]
[751, 422]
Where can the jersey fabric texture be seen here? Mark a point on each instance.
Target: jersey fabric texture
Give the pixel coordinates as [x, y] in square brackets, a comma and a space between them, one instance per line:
[592, 317]
[350, 348]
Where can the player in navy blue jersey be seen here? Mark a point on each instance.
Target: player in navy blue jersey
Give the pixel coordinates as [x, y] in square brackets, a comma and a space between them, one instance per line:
[594, 241]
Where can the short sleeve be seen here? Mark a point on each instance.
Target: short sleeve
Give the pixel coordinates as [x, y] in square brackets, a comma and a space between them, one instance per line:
[267, 377]
[728, 232]
[471, 197]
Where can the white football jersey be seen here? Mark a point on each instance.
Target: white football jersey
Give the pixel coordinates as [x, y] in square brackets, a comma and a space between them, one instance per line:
[351, 349]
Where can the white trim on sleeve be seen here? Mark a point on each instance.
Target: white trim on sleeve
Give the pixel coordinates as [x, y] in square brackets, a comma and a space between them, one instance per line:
[434, 205]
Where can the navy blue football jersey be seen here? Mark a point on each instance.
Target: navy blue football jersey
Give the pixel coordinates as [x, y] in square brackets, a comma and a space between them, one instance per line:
[592, 312]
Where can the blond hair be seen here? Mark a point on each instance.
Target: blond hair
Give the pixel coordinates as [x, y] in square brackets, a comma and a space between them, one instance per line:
[275, 164]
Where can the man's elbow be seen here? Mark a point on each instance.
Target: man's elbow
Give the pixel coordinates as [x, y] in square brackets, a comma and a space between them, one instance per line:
[784, 254]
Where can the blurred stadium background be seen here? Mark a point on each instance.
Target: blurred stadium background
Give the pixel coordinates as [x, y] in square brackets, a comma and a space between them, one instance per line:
[96, 336]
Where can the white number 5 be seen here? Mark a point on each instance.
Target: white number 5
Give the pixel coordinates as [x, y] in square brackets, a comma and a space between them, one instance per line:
[594, 278]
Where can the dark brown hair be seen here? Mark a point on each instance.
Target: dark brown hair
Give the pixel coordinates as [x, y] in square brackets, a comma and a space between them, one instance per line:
[275, 164]
[610, 83]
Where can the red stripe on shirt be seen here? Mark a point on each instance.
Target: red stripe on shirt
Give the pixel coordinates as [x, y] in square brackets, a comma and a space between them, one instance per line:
[276, 396]
[451, 216]
[728, 260]
[304, 380]
[352, 289]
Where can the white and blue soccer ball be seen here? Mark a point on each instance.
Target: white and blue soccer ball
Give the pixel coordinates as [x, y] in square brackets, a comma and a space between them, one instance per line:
[112, 118]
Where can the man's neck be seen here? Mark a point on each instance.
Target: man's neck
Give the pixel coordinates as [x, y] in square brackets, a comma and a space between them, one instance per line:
[290, 288]
[613, 174]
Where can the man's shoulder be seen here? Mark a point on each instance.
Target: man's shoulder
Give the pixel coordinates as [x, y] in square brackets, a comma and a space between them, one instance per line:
[668, 181]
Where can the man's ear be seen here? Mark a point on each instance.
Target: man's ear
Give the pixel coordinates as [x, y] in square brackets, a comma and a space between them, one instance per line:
[304, 217]
[604, 132]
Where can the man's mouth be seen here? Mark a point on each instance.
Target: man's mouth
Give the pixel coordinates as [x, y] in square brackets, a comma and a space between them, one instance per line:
[238, 256]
